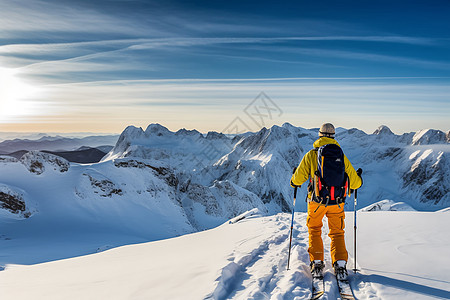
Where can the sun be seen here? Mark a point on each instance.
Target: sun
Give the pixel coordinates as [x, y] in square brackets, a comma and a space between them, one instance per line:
[15, 97]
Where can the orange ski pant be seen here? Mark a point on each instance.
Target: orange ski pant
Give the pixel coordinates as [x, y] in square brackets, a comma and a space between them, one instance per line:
[336, 224]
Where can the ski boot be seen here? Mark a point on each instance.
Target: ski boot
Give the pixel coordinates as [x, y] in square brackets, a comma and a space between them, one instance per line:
[317, 267]
[340, 270]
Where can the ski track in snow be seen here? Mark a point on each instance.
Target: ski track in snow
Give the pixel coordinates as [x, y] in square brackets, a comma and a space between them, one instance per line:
[263, 274]
[247, 261]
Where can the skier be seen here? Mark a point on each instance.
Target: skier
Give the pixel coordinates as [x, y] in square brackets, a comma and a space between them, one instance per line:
[317, 208]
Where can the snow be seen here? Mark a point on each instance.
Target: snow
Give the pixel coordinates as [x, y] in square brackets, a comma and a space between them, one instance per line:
[429, 136]
[403, 254]
[181, 215]
[388, 205]
[37, 162]
[398, 258]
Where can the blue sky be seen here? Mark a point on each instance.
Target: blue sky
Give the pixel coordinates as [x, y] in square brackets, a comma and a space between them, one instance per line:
[198, 64]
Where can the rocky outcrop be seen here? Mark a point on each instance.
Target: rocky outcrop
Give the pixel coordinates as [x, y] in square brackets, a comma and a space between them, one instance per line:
[161, 172]
[13, 201]
[428, 176]
[103, 186]
[429, 136]
[37, 162]
[8, 159]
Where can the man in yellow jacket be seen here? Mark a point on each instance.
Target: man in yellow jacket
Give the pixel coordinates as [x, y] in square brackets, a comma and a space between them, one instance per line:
[316, 211]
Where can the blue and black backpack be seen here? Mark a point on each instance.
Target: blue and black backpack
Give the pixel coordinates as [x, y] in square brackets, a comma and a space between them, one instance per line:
[330, 181]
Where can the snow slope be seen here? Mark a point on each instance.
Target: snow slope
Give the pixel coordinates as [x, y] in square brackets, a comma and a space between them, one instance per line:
[43, 199]
[397, 255]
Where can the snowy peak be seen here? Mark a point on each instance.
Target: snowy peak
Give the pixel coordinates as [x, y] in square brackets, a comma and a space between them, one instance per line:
[157, 130]
[185, 132]
[271, 140]
[131, 133]
[212, 135]
[383, 130]
[429, 136]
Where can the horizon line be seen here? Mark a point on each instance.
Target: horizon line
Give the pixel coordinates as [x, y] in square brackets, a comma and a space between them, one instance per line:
[202, 132]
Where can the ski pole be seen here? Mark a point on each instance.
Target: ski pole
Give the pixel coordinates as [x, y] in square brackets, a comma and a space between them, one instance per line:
[292, 222]
[354, 227]
[292, 227]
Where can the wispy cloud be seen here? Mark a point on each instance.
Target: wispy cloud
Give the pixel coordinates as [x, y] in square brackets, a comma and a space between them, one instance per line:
[44, 18]
[148, 43]
[211, 104]
[50, 59]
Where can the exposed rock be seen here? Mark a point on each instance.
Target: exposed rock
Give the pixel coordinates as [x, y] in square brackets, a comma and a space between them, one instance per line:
[8, 159]
[212, 135]
[36, 162]
[203, 195]
[235, 199]
[185, 132]
[158, 130]
[390, 152]
[428, 175]
[103, 186]
[13, 201]
[428, 137]
[163, 172]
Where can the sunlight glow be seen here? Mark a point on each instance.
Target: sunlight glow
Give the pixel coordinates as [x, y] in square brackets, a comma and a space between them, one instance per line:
[15, 97]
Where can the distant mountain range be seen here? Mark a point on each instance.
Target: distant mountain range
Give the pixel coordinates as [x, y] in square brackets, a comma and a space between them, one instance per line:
[83, 155]
[56, 143]
[81, 150]
[37, 135]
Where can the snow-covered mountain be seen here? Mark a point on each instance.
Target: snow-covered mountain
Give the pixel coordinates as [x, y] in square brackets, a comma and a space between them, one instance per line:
[411, 167]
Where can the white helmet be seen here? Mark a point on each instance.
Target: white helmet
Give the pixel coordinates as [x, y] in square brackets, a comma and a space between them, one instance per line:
[327, 130]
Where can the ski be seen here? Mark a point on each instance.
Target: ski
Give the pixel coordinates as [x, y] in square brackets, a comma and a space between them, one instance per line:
[318, 288]
[345, 290]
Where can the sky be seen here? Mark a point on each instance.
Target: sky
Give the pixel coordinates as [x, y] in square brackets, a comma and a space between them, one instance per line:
[99, 66]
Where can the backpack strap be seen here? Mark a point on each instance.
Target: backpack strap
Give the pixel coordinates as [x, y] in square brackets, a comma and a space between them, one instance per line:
[311, 181]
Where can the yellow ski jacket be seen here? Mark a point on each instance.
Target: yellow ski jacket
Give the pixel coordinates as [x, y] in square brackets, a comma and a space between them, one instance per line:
[309, 165]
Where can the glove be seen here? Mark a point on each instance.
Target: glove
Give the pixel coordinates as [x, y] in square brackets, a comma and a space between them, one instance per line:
[294, 186]
[359, 172]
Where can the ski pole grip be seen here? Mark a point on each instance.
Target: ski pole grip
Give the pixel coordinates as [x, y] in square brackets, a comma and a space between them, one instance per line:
[295, 189]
